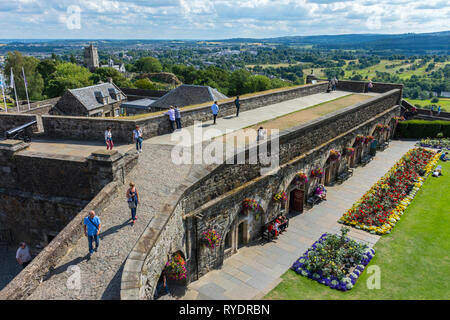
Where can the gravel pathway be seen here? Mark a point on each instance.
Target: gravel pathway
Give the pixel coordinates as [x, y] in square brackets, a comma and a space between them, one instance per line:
[155, 177]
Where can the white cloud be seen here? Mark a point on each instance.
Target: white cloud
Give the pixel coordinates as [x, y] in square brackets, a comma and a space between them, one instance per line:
[214, 19]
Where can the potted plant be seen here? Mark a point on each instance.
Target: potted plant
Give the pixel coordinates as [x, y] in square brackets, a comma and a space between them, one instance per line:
[359, 139]
[176, 268]
[317, 173]
[334, 155]
[281, 196]
[348, 152]
[211, 238]
[301, 178]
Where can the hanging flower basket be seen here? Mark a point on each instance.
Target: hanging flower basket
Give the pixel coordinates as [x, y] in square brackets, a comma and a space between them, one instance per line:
[359, 139]
[348, 152]
[251, 204]
[301, 178]
[175, 267]
[211, 238]
[368, 139]
[280, 197]
[317, 173]
[397, 119]
[379, 127]
[334, 155]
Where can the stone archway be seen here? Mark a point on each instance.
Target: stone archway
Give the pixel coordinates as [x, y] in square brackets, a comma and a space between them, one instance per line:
[173, 287]
[296, 197]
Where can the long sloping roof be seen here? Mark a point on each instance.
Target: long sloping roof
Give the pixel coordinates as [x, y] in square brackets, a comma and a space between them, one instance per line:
[186, 95]
[87, 95]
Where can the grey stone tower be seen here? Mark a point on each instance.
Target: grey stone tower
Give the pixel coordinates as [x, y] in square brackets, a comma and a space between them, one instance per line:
[91, 57]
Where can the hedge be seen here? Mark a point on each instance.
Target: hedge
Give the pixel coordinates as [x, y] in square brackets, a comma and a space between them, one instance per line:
[418, 129]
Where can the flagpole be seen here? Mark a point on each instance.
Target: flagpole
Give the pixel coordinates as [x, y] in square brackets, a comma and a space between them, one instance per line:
[15, 92]
[26, 88]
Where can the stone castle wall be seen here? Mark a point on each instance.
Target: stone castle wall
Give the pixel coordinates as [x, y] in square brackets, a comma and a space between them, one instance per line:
[212, 197]
[92, 129]
[107, 170]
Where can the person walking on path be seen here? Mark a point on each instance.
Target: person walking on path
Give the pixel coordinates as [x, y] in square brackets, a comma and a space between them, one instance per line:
[260, 136]
[108, 139]
[238, 105]
[439, 111]
[369, 86]
[171, 114]
[133, 200]
[23, 255]
[92, 226]
[334, 83]
[215, 111]
[431, 110]
[137, 137]
[178, 117]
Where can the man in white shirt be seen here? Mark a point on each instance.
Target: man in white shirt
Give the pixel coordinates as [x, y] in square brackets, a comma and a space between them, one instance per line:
[23, 255]
[171, 114]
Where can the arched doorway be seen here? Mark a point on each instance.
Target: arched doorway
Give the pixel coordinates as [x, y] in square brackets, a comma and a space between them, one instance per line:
[296, 200]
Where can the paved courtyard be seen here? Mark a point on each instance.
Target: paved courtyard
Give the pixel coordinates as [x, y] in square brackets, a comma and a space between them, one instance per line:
[256, 269]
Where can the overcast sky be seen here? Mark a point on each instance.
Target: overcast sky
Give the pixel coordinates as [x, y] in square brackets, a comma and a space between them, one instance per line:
[216, 19]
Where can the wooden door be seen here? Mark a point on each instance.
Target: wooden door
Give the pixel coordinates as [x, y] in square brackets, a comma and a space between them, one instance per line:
[297, 199]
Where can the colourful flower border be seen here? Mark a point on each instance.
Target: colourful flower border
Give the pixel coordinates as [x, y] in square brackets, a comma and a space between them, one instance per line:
[396, 213]
[346, 283]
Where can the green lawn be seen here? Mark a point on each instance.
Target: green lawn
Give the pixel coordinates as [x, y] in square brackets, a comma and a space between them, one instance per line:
[413, 259]
[443, 102]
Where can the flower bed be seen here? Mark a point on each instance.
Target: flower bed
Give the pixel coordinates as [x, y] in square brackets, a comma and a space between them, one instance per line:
[211, 238]
[381, 207]
[334, 260]
[435, 143]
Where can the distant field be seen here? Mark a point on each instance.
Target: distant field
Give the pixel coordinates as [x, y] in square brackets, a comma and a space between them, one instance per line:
[443, 102]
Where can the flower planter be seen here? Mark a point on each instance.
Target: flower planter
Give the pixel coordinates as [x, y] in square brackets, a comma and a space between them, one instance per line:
[335, 261]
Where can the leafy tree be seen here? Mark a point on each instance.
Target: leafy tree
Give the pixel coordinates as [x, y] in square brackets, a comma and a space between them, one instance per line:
[35, 82]
[145, 84]
[257, 83]
[67, 76]
[237, 82]
[103, 74]
[148, 64]
[46, 67]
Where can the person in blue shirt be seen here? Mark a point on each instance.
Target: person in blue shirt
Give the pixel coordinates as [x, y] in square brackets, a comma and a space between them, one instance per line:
[443, 157]
[215, 110]
[92, 226]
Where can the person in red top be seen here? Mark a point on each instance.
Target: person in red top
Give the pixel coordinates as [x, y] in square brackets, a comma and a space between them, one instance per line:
[272, 230]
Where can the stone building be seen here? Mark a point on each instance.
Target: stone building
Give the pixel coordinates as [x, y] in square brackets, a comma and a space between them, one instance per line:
[186, 95]
[91, 60]
[101, 100]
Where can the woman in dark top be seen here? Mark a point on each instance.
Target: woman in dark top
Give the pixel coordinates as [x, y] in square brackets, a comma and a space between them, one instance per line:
[133, 200]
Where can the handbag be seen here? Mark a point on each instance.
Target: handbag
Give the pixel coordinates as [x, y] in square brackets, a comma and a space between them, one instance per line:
[131, 203]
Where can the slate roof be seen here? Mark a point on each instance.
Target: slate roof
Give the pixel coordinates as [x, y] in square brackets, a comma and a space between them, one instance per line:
[187, 94]
[87, 95]
[138, 104]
